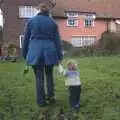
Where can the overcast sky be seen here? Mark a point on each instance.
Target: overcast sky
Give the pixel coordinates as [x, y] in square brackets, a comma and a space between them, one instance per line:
[1, 18]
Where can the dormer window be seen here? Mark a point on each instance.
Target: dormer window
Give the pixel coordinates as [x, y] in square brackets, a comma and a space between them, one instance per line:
[72, 14]
[72, 20]
[89, 20]
[89, 23]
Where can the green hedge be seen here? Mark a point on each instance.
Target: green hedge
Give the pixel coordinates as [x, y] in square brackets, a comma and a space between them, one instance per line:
[110, 43]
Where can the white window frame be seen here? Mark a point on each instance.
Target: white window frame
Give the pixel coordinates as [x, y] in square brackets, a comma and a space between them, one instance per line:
[80, 42]
[21, 40]
[89, 25]
[27, 11]
[72, 14]
[75, 20]
[90, 18]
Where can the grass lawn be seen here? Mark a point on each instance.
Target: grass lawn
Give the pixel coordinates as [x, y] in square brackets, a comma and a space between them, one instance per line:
[100, 98]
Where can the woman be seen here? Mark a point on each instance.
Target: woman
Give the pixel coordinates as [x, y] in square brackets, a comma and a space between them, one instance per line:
[42, 50]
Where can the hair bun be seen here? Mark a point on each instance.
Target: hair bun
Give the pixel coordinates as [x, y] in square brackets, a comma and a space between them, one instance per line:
[43, 7]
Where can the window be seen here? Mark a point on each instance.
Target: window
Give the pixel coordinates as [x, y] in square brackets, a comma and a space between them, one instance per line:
[72, 14]
[72, 22]
[83, 41]
[89, 23]
[72, 19]
[21, 37]
[89, 20]
[27, 11]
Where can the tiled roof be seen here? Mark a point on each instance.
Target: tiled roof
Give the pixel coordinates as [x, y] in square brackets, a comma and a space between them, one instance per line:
[102, 8]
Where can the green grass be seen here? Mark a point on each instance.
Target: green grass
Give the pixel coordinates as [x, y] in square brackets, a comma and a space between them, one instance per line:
[100, 98]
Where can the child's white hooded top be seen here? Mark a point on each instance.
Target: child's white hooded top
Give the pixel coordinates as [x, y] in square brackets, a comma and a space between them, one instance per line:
[72, 77]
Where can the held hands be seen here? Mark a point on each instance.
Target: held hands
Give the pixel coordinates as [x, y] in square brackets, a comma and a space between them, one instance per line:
[60, 68]
[26, 69]
[59, 63]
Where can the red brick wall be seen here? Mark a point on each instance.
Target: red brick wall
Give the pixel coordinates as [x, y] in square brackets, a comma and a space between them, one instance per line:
[67, 32]
[14, 26]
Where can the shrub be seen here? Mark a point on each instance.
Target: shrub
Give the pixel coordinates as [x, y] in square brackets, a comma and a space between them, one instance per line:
[70, 50]
[10, 51]
[110, 43]
[82, 51]
[66, 45]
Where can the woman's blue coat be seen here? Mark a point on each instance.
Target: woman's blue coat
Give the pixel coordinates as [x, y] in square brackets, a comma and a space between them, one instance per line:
[41, 43]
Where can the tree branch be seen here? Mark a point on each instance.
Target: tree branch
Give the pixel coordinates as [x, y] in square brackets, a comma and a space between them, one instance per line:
[52, 2]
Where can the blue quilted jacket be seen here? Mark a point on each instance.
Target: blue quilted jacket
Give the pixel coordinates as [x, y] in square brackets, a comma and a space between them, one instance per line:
[41, 43]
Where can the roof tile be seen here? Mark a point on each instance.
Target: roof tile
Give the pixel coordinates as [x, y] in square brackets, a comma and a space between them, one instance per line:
[102, 8]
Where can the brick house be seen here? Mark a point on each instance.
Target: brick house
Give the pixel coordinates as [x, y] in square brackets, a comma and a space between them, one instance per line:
[80, 22]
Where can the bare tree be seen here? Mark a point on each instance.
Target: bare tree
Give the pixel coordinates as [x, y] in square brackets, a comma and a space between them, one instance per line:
[52, 2]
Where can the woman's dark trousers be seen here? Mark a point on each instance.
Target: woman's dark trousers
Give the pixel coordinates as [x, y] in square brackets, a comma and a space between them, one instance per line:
[42, 72]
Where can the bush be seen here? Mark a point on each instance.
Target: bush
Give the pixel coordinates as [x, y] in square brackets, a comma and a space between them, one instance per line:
[66, 45]
[82, 51]
[70, 50]
[10, 51]
[110, 43]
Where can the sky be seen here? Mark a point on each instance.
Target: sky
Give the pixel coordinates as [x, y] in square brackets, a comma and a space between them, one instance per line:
[1, 18]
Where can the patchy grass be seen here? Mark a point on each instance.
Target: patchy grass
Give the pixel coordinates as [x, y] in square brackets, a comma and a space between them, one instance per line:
[100, 99]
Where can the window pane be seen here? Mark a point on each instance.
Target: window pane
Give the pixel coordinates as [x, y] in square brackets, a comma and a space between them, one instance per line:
[72, 22]
[27, 11]
[89, 22]
[72, 14]
[83, 41]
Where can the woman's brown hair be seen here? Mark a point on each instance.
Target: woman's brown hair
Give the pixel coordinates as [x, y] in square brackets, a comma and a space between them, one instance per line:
[43, 7]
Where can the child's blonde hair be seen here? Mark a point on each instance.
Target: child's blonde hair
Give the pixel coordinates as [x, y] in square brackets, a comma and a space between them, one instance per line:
[72, 62]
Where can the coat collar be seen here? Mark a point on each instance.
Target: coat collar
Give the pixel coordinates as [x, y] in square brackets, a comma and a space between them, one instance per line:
[44, 14]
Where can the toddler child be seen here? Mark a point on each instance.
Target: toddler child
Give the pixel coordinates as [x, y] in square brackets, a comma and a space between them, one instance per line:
[73, 83]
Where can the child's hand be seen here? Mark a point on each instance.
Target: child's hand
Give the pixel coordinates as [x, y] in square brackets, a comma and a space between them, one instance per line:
[60, 68]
